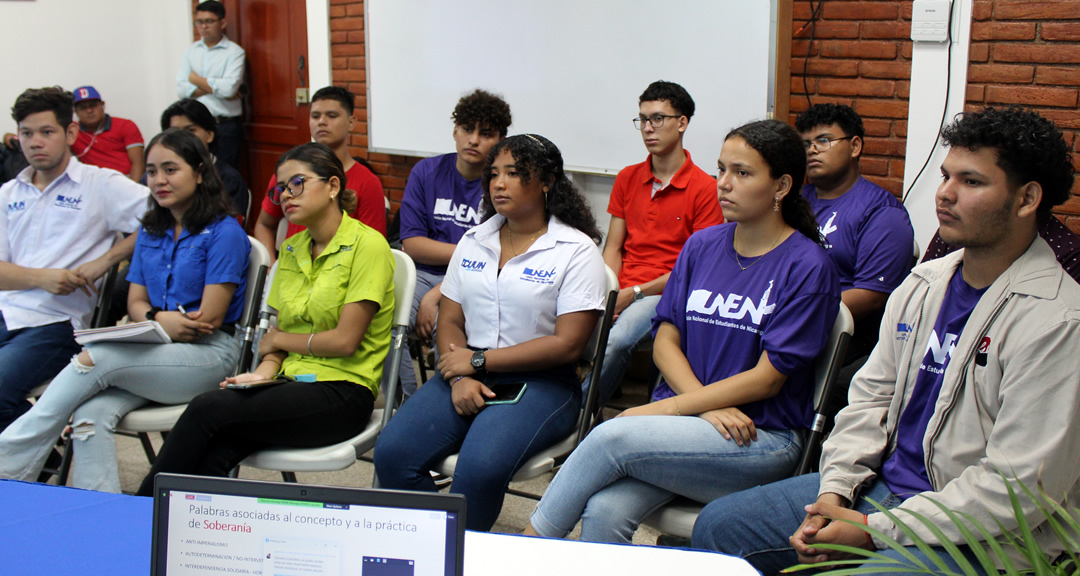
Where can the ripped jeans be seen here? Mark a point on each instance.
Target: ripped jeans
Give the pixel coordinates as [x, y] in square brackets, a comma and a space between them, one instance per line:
[124, 376]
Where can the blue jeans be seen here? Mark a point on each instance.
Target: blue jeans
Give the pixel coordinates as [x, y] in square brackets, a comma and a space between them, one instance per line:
[628, 467]
[631, 327]
[29, 357]
[491, 445]
[755, 524]
[166, 373]
[425, 281]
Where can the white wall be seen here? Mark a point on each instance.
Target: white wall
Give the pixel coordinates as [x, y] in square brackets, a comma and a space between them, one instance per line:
[929, 72]
[128, 49]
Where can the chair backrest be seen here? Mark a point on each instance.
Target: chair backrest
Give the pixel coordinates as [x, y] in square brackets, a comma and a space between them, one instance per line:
[831, 359]
[612, 283]
[404, 287]
[826, 369]
[259, 256]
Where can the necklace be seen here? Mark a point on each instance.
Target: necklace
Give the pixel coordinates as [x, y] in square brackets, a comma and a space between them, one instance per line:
[735, 246]
[510, 237]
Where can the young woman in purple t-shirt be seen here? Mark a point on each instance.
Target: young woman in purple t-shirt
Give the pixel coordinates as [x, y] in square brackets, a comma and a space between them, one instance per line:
[748, 308]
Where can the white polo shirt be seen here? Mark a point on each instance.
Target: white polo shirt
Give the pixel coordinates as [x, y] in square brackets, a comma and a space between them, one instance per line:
[72, 222]
[561, 272]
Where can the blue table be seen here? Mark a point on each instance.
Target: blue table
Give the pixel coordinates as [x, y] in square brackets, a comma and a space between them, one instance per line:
[47, 530]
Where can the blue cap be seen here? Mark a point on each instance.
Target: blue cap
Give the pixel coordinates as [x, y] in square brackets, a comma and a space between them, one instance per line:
[86, 93]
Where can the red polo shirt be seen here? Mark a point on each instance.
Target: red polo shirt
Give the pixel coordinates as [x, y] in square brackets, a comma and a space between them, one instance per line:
[108, 146]
[658, 225]
[370, 199]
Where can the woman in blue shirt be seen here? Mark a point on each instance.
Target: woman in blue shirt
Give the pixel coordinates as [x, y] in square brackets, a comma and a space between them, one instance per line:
[190, 253]
[747, 309]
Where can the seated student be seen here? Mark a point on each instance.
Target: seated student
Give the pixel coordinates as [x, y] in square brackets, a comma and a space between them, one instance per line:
[334, 293]
[106, 141]
[866, 230]
[189, 253]
[45, 285]
[921, 431]
[655, 206]
[746, 311]
[331, 121]
[191, 115]
[1062, 241]
[441, 202]
[536, 252]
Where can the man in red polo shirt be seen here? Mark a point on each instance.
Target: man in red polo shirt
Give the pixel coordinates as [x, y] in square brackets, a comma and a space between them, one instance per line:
[104, 140]
[330, 122]
[655, 206]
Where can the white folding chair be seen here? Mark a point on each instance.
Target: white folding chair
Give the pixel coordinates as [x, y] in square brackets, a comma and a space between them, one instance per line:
[556, 454]
[339, 456]
[162, 417]
[677, 517]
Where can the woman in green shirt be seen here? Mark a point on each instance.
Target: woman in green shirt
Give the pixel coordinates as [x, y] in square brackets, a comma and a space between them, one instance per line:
[334, 293]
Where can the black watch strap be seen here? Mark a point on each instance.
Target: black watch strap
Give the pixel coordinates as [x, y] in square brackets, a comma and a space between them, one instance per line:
[479, 362]
[152, 313]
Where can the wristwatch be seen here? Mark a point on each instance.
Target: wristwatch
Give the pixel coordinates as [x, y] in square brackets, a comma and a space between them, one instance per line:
[638, 294]
[152, 313]
[478, 362]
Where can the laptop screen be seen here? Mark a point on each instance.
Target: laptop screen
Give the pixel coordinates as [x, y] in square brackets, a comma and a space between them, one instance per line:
[221, 525]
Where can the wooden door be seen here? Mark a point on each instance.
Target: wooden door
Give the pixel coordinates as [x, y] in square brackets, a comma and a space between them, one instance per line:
[274, 34]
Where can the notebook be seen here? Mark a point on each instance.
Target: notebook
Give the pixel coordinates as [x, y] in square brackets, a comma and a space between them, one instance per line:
[137, 333]
[229, 526]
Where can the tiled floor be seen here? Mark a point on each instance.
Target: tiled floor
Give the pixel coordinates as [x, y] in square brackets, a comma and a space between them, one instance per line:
[515, 512]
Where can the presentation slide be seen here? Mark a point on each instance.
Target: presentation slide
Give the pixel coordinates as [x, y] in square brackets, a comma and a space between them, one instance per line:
[215, 534]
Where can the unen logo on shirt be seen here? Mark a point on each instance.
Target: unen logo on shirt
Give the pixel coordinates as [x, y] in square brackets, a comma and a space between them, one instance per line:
[539, 276]
[68, 201]
[733, 306]
[16, 206]
[460, 213]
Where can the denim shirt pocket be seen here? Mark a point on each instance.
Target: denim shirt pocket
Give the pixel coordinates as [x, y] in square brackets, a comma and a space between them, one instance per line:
[189, 268]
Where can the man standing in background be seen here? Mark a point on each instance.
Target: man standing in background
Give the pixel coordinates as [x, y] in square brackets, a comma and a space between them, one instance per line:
[211, 72]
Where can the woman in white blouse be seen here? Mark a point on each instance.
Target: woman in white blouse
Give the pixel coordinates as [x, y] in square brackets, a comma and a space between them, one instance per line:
[521, 298]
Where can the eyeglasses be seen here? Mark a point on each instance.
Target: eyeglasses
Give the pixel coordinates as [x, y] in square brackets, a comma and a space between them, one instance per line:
[207, 21]
[822, 143]
[295, 185]
[657, 120]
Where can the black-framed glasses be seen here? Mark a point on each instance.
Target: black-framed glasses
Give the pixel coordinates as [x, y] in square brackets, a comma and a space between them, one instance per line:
[207, 21]
[295, 186]
[822, 143]
[657, 120]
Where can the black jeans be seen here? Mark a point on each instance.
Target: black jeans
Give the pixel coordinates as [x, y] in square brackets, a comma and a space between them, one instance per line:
[222, 427]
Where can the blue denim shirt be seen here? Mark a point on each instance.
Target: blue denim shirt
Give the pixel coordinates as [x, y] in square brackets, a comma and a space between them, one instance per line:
[176, 271]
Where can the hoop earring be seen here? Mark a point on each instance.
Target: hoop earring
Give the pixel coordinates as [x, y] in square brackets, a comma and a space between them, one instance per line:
[776, 204]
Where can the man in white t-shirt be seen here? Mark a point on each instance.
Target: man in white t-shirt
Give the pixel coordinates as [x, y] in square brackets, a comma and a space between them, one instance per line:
[58, 219]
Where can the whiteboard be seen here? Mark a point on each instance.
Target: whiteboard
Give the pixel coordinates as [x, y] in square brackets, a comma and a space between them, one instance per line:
[571, 70]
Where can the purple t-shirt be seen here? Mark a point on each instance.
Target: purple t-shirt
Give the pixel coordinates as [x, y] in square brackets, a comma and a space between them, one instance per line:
[905, 470]
[439, 203]
[868, 235]
[785, 304]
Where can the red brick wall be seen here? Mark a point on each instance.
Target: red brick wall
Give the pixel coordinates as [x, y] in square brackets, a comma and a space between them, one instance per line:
[1028, 53]
[860, 56]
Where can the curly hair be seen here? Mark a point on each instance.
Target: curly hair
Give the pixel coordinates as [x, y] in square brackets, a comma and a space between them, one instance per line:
[325, 164]
[536, 156]
[673, 94]
[1029, 149]
[825, 114]
[782, 148]
[211, 203]
[484, 110]
[52, 99]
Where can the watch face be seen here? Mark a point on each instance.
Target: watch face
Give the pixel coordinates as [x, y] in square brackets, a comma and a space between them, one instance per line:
[478, 360]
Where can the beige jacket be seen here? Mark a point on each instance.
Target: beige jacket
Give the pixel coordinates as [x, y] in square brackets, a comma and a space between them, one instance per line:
[1010, 400]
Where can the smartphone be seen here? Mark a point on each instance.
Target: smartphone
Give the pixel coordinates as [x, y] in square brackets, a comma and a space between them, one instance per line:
[258, 383]
[506, 393]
